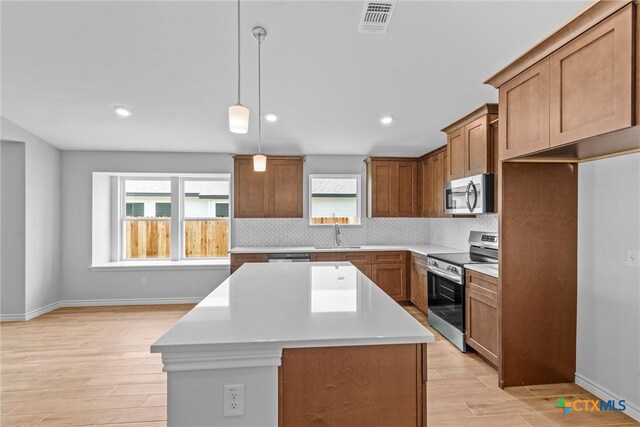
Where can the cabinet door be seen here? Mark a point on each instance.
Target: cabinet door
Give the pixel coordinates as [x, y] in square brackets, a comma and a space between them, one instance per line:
[285, 188]
[423, 282]
[476, 147]
[482, 315]
[250, 190]
[591, 81]
[427, 186]
[418, 286]
[414, 285]
[524, 112]
[407, 189]
[391, 278]
[456, 150]
[382, 178]
[438, 184]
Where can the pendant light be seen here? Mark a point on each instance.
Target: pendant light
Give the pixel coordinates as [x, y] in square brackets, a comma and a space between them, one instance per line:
[238, 114]
[259, 160]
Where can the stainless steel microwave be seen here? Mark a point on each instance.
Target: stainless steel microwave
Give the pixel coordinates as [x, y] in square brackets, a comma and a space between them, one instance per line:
[470, 195]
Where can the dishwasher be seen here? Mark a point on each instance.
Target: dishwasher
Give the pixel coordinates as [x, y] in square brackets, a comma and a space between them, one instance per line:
[290, 257]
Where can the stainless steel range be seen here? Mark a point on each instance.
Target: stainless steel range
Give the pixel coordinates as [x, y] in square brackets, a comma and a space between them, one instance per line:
[446, 289]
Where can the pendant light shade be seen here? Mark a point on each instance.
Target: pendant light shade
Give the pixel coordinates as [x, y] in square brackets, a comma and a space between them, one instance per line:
[238, 114]
[238, 119]
[259, 163]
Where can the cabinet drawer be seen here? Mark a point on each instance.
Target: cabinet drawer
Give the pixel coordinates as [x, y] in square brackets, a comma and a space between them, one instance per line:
[358, 257]
[238, 259]
[327, 256]
[242, 258]
[388, 257]
[484, 281]
[420, 260]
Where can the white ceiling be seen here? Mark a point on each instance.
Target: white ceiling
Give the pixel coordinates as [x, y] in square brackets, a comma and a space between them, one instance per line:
[173, 63]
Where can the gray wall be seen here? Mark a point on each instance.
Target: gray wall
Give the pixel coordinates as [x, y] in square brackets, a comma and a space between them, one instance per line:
[81, 284]
[608, 347]
[12, 228]
[42, 196]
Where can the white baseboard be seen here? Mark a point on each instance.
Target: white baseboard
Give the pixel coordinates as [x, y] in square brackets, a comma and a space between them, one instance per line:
[30, 315]
[129, 301]
[632, 409]
[96, 303]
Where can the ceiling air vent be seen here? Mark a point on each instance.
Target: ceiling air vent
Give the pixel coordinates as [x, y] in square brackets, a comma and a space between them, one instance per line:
[376, 16]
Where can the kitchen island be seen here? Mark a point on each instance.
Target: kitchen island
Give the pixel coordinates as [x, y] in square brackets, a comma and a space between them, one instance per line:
[311, 343]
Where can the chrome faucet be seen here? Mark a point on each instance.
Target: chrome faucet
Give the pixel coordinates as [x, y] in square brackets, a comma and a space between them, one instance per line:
[336, 235]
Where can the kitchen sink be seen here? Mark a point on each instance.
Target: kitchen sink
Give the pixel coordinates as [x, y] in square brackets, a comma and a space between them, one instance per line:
[338, 247]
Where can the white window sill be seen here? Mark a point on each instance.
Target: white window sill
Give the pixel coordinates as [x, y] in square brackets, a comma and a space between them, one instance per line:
[217, 264]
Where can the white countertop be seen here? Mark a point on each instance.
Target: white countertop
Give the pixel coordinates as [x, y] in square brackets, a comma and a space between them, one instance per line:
[488, 269]
[419, 249]
[293, 305]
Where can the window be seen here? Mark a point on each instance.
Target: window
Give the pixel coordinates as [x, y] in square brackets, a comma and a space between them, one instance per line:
[173, 217]
[222, 210]
[163, 209]
[135, 209]
[146, 234]
[334, 199]
[206, 234]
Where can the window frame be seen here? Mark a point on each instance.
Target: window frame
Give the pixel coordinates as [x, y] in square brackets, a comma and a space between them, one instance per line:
[177, 220]
[357, 177]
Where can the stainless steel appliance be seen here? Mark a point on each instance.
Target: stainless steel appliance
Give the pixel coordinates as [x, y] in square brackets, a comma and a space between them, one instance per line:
[471, 195]
[289, 257]
[446, 285]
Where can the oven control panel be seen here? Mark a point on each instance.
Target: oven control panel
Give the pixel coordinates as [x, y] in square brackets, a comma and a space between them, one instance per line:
[446, 270]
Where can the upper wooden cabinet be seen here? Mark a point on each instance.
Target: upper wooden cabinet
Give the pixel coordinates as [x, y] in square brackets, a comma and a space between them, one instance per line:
[456, 150]
[392, 187]
[275, 193]
[591, 82]
[470, 143]
[564, 98]
[432, 176]
[524, 112]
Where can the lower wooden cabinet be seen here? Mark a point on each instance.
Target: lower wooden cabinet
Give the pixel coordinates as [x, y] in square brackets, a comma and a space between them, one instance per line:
[391, 278]
[388, 270]
[418, 282]
[482, 314]
[238, 259]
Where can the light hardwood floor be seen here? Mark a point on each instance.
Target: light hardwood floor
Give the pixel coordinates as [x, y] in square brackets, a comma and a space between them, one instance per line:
[91, 366]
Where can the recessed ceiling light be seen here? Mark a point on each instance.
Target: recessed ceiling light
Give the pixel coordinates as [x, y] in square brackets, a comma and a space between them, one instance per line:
[386, 120]
[271, 117]
[122, 112]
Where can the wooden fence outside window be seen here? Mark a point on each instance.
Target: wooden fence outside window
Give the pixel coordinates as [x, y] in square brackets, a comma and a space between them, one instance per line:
[152, 239]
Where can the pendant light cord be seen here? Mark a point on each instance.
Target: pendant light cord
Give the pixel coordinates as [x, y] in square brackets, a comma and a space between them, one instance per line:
[238, 52]
[259, 98]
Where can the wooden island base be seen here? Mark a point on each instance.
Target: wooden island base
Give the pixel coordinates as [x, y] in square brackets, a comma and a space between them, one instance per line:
[379, 385]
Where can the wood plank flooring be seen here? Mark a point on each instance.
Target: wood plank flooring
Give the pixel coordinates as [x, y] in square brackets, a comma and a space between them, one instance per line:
[92, 366]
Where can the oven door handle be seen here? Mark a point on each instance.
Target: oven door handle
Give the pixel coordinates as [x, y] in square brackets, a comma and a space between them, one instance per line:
[445, 274]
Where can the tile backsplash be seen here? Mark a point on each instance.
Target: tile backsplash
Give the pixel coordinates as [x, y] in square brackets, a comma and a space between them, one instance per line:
[454, 232]
[451, 232]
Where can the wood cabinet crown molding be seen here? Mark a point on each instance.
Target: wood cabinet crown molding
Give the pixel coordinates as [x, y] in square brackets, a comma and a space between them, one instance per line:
[483, 110]
[586, 19]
